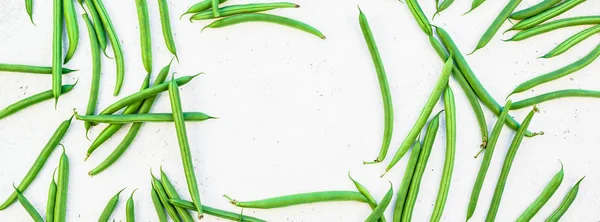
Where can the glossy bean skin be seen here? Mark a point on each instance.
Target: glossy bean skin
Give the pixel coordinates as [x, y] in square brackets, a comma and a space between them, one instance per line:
[138, 118]
[96, 70]
[30, 69]
[257, 17]
[546, 15]
[555, 95]
[406, 179]
[39, 162]
[160, 209]
[130, 209]
[32, 100]
[97, 22]
[110, 207]
[383, 204]
[114, 41]
[164, 198]
[214, 211]
[35, 215]
[303, 198]
[534, 10]
[554, 25]
[372, 202]
[559, 73]
[184, 146]
[474, 5]
[565, 204]
[544, 197]
[384, 87]
[245, 8]
[145, 37]
[508, 161]
[572, 41]
[487, 159]
[57, 28]
[29, 9]
[165, 22]
[437, 91]
[419, 15]
[72, 28]
[496, 24]
[450, 111]
[62, 189]
[51, 200]
[415, 183]
[215, 8]
[172, 194]
[200, 6]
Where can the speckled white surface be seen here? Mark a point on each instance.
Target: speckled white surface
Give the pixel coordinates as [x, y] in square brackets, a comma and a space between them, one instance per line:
[297, 113]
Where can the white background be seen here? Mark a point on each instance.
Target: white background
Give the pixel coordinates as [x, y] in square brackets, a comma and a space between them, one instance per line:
[298, 113]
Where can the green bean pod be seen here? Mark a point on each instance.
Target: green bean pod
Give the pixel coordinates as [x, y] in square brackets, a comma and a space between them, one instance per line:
[555, 95]
[130, 209]
[257, 17]
[450, 111]
[145, 37]
[114, 41]
[62, 188]
[199, 7]
[380, 209]
[415, 183]
[72, 28]
[487, 159]
[215, 8]
[29, 9]
[165, 22]
[245, 8]
[160, 209]
[496, 24]
[474, 5]
[172, 194]
[30, 69]
[39, 162]
[51, 200]
[406, 179]
[559, 73]
[384, 87]
[162, 194]
[508, 160]
[110, 207]
[554, 25]
[572, 41]
[303, 198]
[419, 15]
[139, 118]
[565, 204]
[97, 22]
[437, 91]
[96, 70]
[32, 100]
[546, 15]
[35, 215]
[534, 10]
[372, 202]
[57, 28]
[544, 197]
[214, 211]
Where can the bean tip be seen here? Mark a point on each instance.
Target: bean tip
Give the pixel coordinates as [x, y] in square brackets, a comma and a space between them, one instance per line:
[296, 6]
[323, 37]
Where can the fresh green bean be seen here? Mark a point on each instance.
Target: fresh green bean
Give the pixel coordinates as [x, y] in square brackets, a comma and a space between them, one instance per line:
[138, 118]
[408, 174]
[160, 209]
[162, 194]
[130, 209]
[439, 87]
[257, 17]
[372, 202]
[415, 183]
[29, 9]
[72, 28]
[534, 10]
[32, 100]
[114, 41]
[384, 87]
[450, 111]
[184, 146]
[487, 159]
[555, 95]
[554, 25]
[200, 6]
[145, 37]
[57, 50]
[559, 73]
[214, 211]
[474, 5]
[39, 162]
[546, 15]
[172, 194]
[303, 198]
[496, 24]
[419, 15]
[215, 8]
[62, 188]
[544, 196]
[245, 8]
[565, 204]
[51, 200]
[443, 6]
[508, 160]
[380, 209]
[572, 41]
[165, 22]
[97, 22]
[96, 70]
[35, 215]
[30, 69]
[110, 207]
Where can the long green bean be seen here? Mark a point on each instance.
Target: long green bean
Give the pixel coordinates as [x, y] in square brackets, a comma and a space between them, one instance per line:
[72, 28]
[165, 22]
[555, 95]
[303, 198]
[114, 41]
[96, 71]
[214, 211]
[572, 41]
[138, 118]
[145, 37]
[546, 15]
[32, 100]
[57, 28]
[257, 17]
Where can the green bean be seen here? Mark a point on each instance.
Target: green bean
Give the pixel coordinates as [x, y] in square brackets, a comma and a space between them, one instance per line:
[214, 211]
[172, 194]
[57, 50]
[450, 111]
[474, 5]
[380, 209]
[415, 183]
[572, 41]
[165, 22]
[35, 215]
[419, 15]
[32, 100]
[145, 37]
[245, 8]
[30, 69]
[496, 24]
[51, 200]
[546, 15]
[384, 87]
[443, 6]
[130, 209]
[439, 87]
[114, 41]
[534, 10]
[362, 189]
[184, 146]
[544, 196]
[138, 118]
[554, 25]
[555, 95]
[487, 159]
[406, 179]
[257, 17]
[508, 160]
[162, 194]
[96, 71]
[29, 9]
[160, 210]
[215, 8]
[97, 22]
[483, 94]
[110, 207]
[565, 204]
[72, 28]
[302, 198]
[559, 73]
[200, 6]
[62, 188]
[39, 162]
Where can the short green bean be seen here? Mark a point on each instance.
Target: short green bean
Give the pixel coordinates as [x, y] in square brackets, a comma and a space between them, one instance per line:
[565, 204]
[51, 200]
[130, 209]
[546, 15]
[474, 5]
[257, 17]
[544, 197]
[165, 22]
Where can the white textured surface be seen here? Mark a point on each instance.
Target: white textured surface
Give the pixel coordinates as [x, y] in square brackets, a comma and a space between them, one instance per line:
[297, 113]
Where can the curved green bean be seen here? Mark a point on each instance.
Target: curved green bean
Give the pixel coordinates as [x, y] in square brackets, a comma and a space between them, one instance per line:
[555, 95]
[214, 211]
[35, 215]
[138, 118]
[559, 73]
[245, 8]
[384, 87]
[130, 208]
[162, 194]
[544, 196]
[508, 160]
[29, 9]
[72, 28]
[546, 15]
[51, 200]
[39, 162]
[165, 22]
[57, 50]
[62, 188]
[257, 17]
[474, 5]
[496, 24]
[97, 22]
[406, 179]
[215, 8]
[96, 70]
[303, 198]
[110, 207]
[200, 6]
[534, 10]
[572, 41]
[160, 209]
[145, 37]
[419, 15]
[114, 41]
[554, 25]
[172, 194]
[372, 202]
[32, 100]
[565, 204]
[31, 69]
[383, 204]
